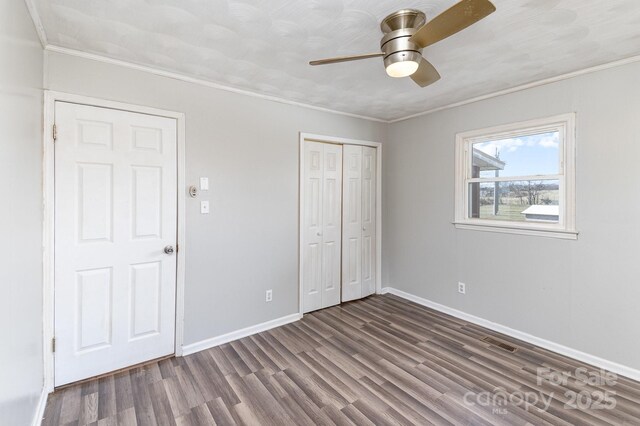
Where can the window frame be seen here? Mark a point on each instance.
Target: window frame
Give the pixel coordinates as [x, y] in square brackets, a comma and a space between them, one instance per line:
[565, 228]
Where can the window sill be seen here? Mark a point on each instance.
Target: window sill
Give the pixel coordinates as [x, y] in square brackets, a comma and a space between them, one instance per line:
[520, 230]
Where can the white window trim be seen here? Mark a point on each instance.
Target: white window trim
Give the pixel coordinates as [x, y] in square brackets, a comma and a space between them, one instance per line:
[565, 229]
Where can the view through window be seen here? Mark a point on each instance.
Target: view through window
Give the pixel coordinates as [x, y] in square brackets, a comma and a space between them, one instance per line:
[518, 178]
[532, 165]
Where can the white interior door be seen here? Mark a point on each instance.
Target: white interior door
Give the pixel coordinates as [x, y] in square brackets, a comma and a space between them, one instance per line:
[369, 167]
[322, 225]
[352, 224]
[115, 212]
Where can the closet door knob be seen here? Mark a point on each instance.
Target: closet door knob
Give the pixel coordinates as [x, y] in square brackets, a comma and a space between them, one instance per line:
[319, 234]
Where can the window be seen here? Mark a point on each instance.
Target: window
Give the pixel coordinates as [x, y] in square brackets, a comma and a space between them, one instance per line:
[518, 178]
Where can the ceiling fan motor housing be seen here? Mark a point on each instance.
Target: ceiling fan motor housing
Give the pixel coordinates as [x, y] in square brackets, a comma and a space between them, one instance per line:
[398, 29]
[401, 19]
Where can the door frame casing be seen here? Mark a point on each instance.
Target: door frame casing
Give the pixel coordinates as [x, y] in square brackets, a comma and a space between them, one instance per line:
[304, 137]
[48, 180]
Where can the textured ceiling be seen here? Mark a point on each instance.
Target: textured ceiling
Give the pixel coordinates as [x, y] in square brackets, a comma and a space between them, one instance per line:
[264, 46]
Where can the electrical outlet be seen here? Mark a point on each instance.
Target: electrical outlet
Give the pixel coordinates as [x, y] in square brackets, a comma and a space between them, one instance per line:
[269, 295]
[462, 288]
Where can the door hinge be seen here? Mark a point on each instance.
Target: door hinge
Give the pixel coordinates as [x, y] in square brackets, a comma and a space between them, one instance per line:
[177, 248]
[55, 132]
[53, 345]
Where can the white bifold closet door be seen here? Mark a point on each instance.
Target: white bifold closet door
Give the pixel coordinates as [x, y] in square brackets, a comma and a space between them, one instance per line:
[322, 225]
[359, 222]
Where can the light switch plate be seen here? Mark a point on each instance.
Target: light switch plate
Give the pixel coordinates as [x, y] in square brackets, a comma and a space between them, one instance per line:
[204, 207]
[204, 183]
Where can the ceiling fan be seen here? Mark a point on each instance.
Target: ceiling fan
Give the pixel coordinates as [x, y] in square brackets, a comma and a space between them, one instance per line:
[407, 32]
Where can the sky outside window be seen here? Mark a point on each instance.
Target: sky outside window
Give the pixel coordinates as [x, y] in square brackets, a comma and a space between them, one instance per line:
[524, 155]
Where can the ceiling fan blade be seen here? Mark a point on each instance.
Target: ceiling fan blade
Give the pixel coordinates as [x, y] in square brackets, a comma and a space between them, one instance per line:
[456, 18]
[345, 58]
[426, 74]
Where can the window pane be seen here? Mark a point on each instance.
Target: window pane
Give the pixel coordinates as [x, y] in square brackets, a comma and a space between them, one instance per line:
[519, 156]
[521, 201]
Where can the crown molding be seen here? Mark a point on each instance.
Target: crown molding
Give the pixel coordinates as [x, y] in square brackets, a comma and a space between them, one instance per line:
[186, 78]
[526, 86]
[37, 22]
[202, 82]
[182, 77]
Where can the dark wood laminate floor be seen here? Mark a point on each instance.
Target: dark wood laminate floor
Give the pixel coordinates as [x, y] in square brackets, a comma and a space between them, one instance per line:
[381, 360]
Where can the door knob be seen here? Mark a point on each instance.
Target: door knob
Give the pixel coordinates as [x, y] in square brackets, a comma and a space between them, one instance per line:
[319, 234]
[168, 249]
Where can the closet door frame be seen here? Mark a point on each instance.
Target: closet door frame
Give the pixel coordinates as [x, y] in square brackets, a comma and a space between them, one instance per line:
[304, 137]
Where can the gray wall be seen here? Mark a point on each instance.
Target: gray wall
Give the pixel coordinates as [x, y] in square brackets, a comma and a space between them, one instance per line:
[20, 215]
[248, 148]
[583, 294]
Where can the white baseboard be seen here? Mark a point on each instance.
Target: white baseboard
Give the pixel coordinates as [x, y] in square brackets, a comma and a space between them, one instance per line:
[42, 403]
[614, 367]
[239, 334]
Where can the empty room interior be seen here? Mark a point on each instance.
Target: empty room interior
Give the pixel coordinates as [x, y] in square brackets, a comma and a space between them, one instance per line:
[319, 212]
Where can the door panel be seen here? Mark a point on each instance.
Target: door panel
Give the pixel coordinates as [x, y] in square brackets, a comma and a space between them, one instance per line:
[322, 227]
[95, 202]
[115, 211]
[352, 224]
[332, 224]
[147, 202]
[145, 296]
[369, 168]
[312, 238]
[94, 287]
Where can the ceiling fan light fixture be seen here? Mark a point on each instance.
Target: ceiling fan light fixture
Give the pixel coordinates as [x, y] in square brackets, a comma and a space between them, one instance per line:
[407, 32]
[402, 64]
